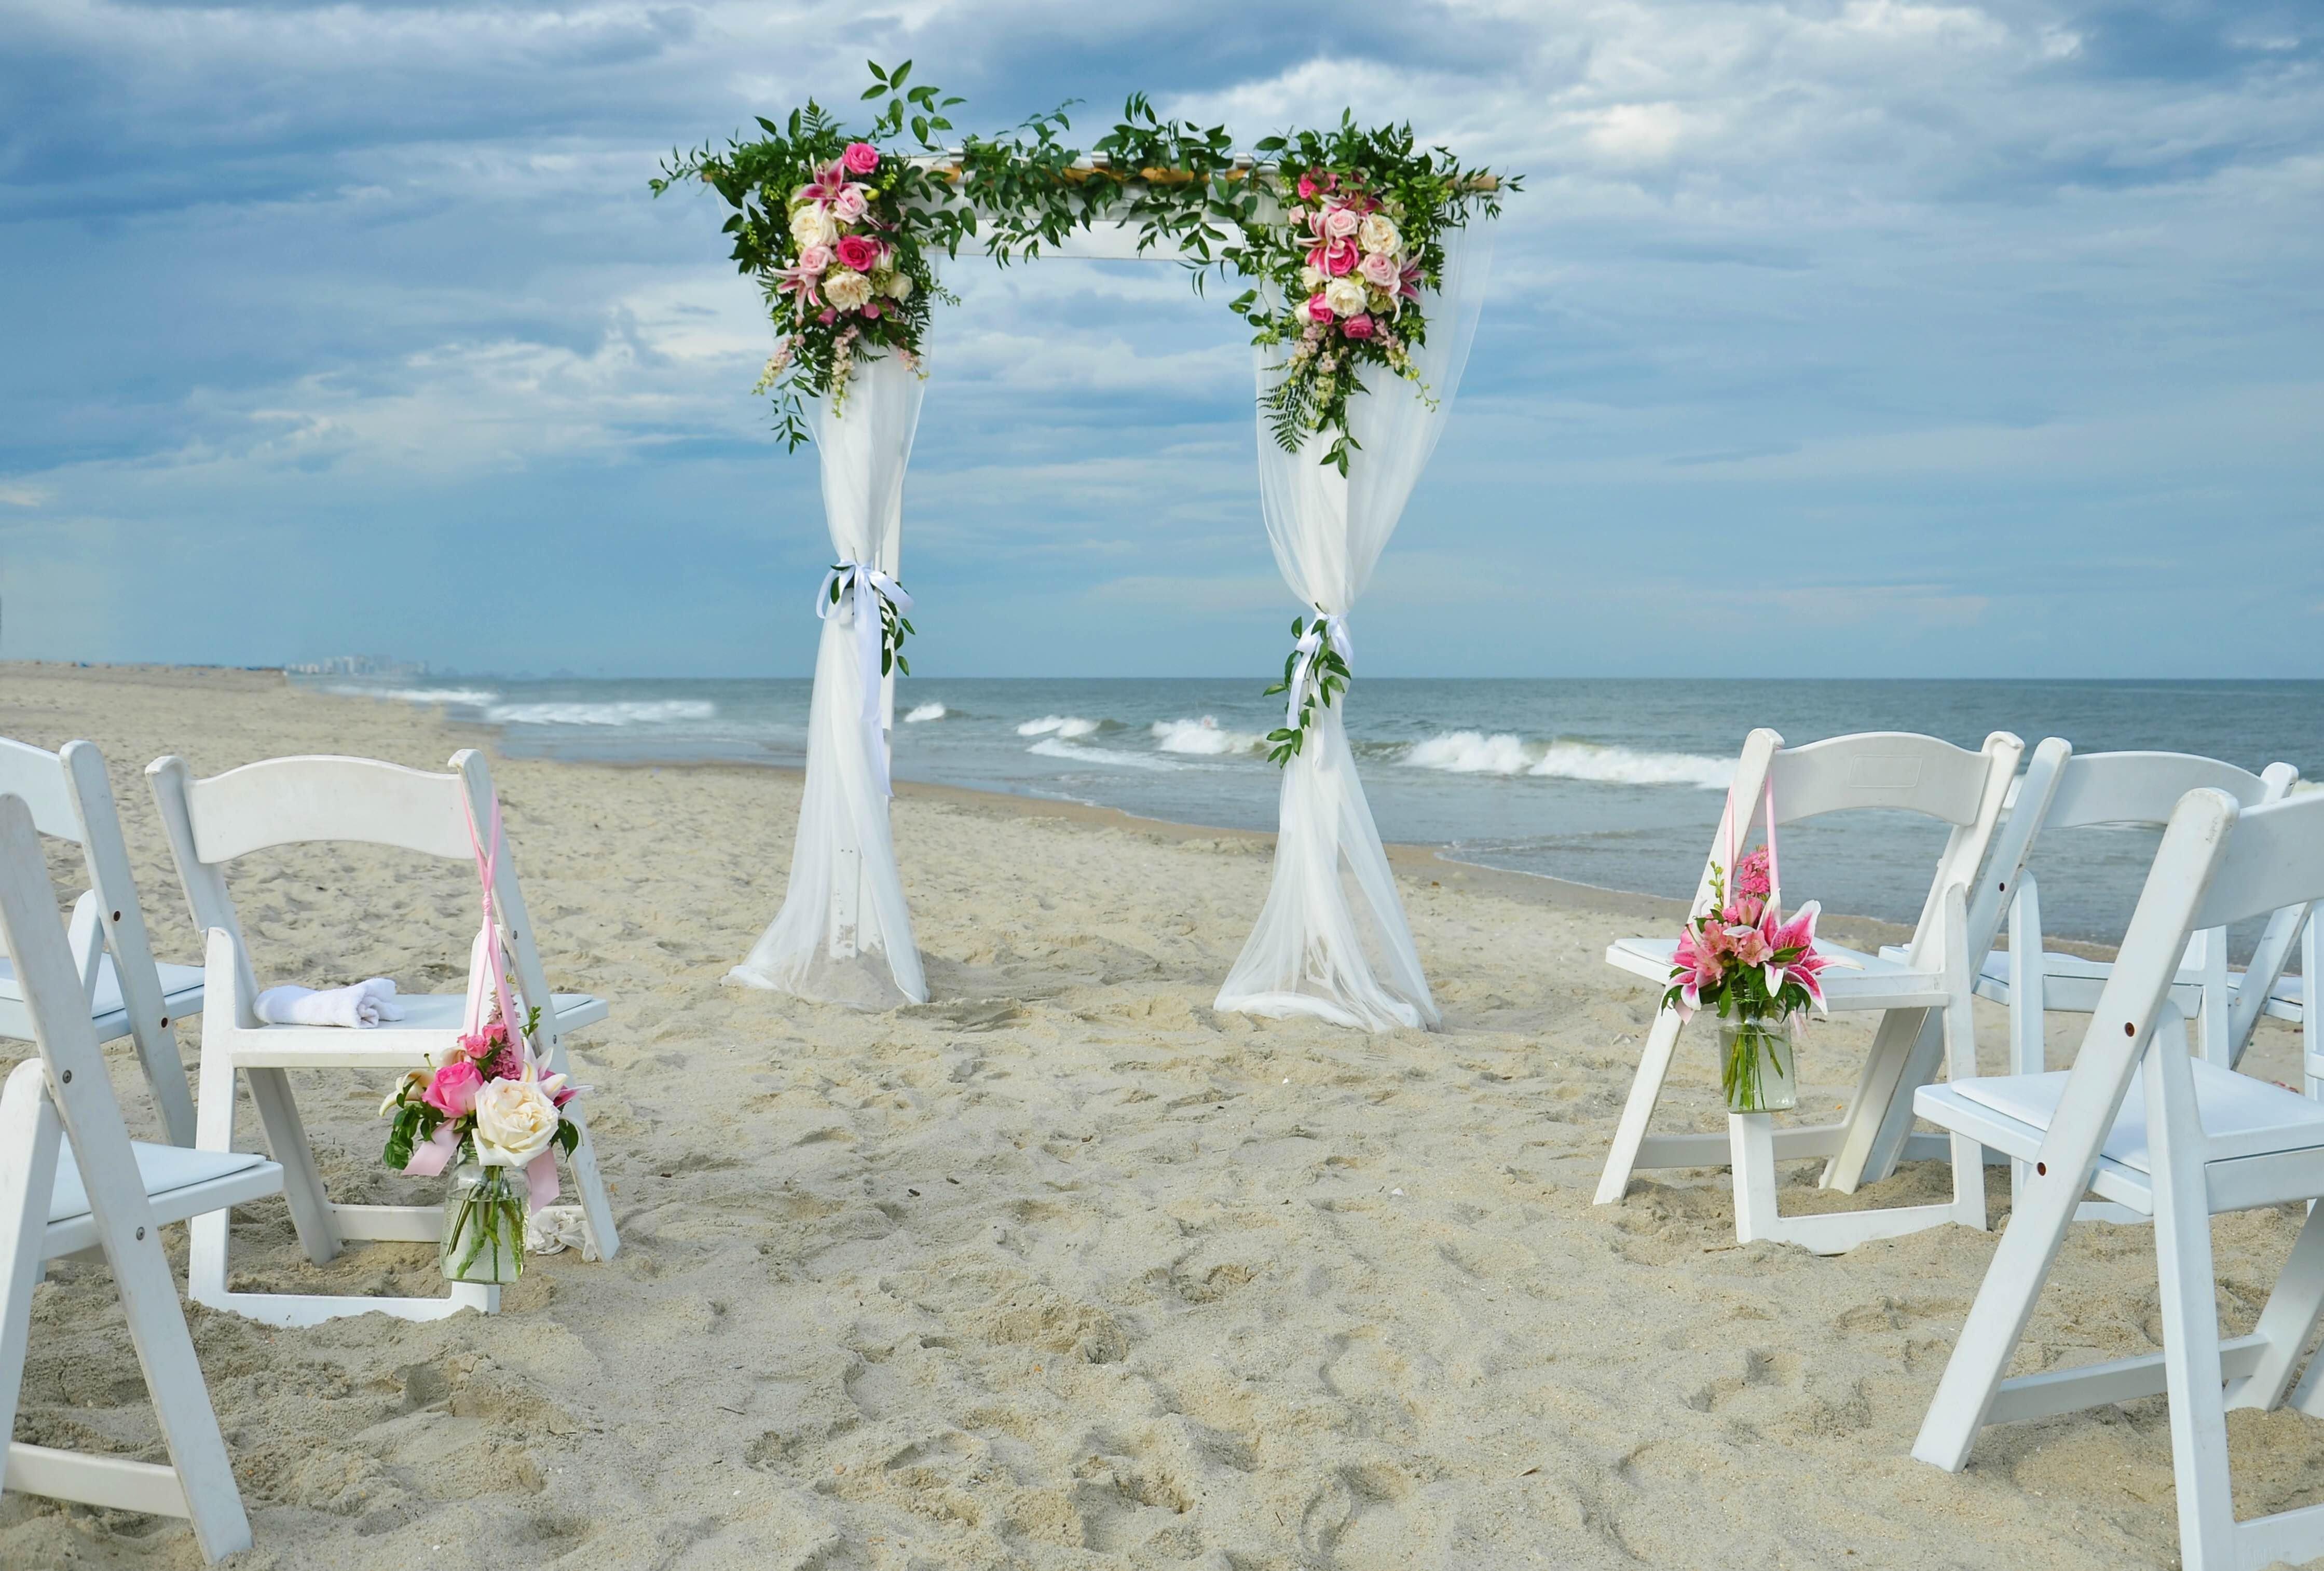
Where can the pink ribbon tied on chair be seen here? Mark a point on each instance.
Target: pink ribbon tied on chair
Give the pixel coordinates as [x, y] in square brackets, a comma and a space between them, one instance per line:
[488, 985]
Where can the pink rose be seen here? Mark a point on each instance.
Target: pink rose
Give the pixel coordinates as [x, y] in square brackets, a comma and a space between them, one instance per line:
[861, 158]
[453, 1091]
[815, 259]
[1341, 222]
[1358, 326]
[1379, 270]
[871, 308]
[1307, 186]
[850, 203]
[857, 252]
[1317, 311]
[828, 316]
[1340, 257]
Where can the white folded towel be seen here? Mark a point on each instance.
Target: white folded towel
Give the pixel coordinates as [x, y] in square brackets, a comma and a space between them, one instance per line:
[558, 1227]
[361, 1006]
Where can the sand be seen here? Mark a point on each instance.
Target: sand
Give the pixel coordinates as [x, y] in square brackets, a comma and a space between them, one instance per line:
[1062, 1268]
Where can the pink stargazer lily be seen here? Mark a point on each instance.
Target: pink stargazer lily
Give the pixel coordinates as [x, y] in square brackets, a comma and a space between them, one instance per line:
[1694, 967]
[1807, 966]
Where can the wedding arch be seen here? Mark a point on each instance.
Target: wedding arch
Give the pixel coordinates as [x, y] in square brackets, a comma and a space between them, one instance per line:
[1365, 274]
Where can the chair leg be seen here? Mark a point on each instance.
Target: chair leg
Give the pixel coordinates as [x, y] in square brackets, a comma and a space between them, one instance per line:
[302, 1182]
[1646, 1090]
[596, 1208]
[30, 1132]
[2190, 1325]
[1906, 1048]
[2287, 1321]
[206, 1251]
[1751, 1147]
[1997, 1319]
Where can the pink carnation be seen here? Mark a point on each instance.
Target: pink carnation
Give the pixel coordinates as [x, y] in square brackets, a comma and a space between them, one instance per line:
[861, 158]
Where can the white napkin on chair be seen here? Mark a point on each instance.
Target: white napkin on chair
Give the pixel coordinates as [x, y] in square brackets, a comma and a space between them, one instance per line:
[362, 1005]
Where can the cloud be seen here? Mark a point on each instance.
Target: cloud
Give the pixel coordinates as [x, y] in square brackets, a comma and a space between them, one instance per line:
[1936, 289]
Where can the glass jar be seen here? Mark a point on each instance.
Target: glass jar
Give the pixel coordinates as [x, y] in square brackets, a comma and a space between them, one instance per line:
[483, 1224]
[1756, 1067]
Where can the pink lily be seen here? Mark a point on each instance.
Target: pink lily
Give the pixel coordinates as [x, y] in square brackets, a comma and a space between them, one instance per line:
[1807, 966]
[1693, 966]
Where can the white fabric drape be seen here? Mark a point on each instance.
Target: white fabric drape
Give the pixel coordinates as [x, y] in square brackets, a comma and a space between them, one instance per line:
[1332, 939]
[845, 934]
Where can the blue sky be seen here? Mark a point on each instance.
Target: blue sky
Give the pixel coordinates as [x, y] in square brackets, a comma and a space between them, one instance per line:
[1852, 338]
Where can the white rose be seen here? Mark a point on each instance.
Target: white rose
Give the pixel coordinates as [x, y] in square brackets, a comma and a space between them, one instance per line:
[899, 286]
[1378, 234]
[1311, 279]
[846, 289]
[515, 1121]
[811, 225]
[1345, 296]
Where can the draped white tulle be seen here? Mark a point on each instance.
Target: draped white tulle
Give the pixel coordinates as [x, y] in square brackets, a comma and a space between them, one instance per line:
[1332, 939]
[845, 934]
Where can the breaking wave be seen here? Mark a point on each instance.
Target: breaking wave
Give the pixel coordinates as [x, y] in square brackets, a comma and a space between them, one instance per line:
[1503, 753]
[1110, 757]
[1059, 725]
[622, 712]
[1204, 736]
[926, 712]
[471, 697]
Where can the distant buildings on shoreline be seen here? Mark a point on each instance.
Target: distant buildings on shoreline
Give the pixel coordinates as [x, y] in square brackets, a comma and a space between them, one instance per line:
[360, 665]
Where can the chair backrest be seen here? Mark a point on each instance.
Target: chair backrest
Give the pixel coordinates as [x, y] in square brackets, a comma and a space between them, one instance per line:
[2219, 863]
[1893, 771]
[2063, 789]
[69, 797]
[287, 802]
[2144, 788]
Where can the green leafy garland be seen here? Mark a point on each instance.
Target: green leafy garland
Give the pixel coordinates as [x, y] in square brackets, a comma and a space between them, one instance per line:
[1340, 232]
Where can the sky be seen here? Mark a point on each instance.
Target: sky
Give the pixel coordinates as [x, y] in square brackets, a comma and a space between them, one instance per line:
[1852, 338]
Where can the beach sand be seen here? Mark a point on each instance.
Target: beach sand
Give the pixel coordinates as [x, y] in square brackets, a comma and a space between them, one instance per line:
[1061, 1268]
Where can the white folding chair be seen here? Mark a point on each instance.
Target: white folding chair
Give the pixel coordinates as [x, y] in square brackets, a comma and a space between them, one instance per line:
[287, 801]
[129, 995]
[1891, 771]
[71, 1180]
[2061, 790]
[2150, 1126]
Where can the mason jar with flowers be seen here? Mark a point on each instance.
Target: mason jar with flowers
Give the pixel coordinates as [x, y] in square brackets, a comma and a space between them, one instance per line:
[1759, 972]
[493, 1114]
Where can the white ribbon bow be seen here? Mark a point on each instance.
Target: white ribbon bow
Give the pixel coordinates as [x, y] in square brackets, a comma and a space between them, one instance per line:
[860, 586]
[1328, 625]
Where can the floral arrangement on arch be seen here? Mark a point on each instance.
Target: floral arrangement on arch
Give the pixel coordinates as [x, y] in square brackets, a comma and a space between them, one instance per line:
[1341, 279]
[841, 233]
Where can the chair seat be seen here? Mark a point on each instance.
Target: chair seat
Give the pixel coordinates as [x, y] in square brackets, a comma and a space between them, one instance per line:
[427, 1019]
[2284, 1000]
[178, 1183]
[2241, 1116]
[181, 996]
[1855, 981]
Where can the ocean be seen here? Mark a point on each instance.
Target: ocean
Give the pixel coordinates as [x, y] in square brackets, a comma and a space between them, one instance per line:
[1611, 782]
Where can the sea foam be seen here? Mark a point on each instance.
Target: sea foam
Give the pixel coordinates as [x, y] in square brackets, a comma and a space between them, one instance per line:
[1057, 726]
[1204, 736]
[926, 712]
[1503, 754]
[619, 711]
